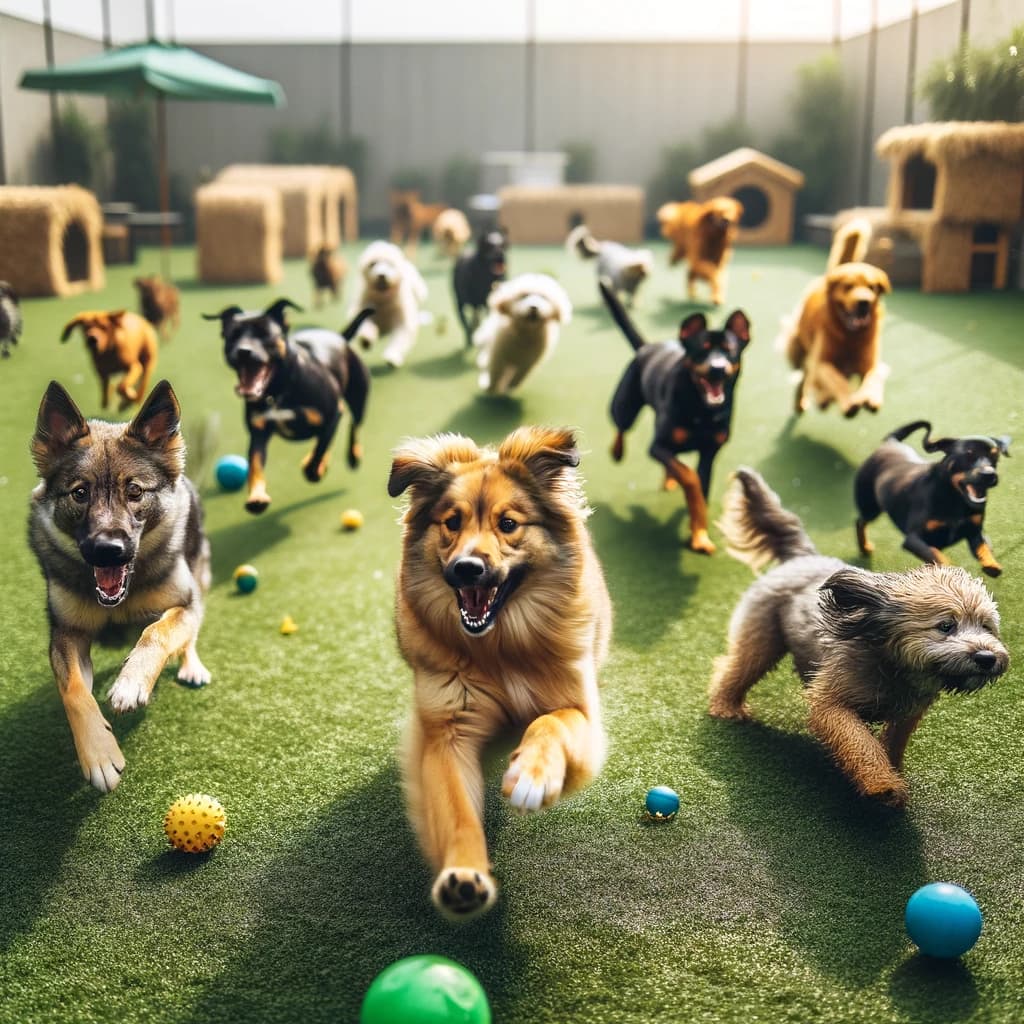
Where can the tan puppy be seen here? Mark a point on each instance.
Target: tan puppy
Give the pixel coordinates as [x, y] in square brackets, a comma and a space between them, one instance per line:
[835, 335]
[451, 232]
[328, 270]
[160, 304]
[119, 342]
[702, 234]
[410, 218]
[503, 614]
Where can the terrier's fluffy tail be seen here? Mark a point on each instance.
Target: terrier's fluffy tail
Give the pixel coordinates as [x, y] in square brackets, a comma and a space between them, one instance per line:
[757, 528]
[850, 243]
[582, 243]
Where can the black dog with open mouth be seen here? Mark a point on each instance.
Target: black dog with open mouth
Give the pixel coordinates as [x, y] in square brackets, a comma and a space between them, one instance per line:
[934, 504]
[294, 385]
[475, 274]
[689, 383]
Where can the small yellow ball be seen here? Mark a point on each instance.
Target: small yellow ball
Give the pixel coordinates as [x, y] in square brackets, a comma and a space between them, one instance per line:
[351, 519]
[195, 823]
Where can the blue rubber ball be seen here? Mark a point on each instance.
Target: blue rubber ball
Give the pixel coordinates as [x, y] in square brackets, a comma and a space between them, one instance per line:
[943, 919]
[662, 800]
[232, 471]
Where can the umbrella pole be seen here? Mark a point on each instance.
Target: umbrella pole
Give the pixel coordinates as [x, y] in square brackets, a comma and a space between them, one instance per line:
[165, 187]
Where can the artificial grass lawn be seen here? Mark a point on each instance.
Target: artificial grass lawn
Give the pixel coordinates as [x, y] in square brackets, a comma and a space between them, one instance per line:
[776, 895]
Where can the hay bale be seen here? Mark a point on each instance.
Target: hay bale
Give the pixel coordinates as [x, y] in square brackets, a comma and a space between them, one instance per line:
[238, 234]
[543, 215]
[51, 240]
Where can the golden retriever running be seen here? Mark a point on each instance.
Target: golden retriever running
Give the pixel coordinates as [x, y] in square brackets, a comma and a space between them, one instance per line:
[702, 234]
[503, 614]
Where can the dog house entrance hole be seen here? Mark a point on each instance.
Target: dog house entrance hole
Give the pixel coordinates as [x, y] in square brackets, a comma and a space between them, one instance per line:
[756, 205]
[918, 184]
[75, 247]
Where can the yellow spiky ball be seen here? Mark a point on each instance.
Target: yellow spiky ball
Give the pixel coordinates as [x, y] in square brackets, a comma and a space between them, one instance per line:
[195, 823]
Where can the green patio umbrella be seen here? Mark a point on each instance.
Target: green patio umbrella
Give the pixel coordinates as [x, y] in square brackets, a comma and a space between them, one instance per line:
[159, 70]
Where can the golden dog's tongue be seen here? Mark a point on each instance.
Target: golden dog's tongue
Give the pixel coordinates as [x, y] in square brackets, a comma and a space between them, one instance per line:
[111, 580]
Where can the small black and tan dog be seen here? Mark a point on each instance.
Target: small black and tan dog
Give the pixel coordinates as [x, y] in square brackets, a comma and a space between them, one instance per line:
[689, 383]
[296, 386]
[10, 319]
[475, 274]
[934, 504]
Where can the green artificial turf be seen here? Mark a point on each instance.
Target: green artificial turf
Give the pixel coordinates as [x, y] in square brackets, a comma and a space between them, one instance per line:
[775, 896]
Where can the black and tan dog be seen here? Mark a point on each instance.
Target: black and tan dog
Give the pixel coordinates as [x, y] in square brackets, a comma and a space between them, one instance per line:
[10, 319]
[475, 274]
[689, 384]
[118, 531]
[935, 504]
[296, 386]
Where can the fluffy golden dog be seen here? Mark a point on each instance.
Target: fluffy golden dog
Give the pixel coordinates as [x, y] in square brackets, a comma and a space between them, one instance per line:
[451, 232]
[702, 234]
[119, 342]
[835, 335]
[503, 614]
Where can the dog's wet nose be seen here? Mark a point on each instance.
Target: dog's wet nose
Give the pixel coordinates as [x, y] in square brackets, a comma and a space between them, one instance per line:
[985, 660]
[106, 549]
[988, 476]
[863, 307]
[466, 571]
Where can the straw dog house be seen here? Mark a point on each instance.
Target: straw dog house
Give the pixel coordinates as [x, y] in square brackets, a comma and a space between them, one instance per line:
[320, 202]
[958, 189]
[238, 234]
[51, 240]
[766, 187]
[544, 214]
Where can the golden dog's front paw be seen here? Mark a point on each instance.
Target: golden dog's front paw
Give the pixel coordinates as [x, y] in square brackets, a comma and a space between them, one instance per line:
[702, 543]
[463, 893]
[535, 776]
[99, 755]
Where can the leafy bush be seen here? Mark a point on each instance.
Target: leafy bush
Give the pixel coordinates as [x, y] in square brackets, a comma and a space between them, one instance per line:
[412, 178]
[460, 179]
[319, 146]
[818, 143]
[978, 84]
[582, 160]
[132, 135]
[73, 153]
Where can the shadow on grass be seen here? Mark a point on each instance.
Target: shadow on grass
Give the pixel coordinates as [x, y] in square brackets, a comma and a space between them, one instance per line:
[454, 364]
[44, 798]
[486, 418]
[349, 897]
[642, 554]
[243, 539]
[935, 990]
[843, 866]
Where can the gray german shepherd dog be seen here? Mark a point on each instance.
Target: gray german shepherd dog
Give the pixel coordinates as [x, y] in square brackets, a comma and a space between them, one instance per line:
[117, 528]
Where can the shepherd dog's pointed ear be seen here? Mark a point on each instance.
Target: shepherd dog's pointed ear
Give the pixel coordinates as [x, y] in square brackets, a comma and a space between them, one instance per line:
[59, 426]
[276, 311]
[157, 424]
[426, 462]
[693, 324]
[544, 451]
[739, 324]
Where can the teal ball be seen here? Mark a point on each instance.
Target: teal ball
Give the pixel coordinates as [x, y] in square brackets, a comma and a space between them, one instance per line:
[232, 471]
[661, 802]
[246, 578]
[425, 989]
[943, 920]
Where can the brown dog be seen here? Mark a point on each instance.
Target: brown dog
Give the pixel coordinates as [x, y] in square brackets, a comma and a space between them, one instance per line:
[160, 304]
[328, 270]
[503, 614]
[119, 342]
[702, 234]
[835, 335]
[410, 218]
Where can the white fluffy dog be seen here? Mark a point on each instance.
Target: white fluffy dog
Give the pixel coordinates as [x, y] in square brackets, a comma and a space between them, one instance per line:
[451, 232]
[395, 290]
[626, 268]
[520, 329]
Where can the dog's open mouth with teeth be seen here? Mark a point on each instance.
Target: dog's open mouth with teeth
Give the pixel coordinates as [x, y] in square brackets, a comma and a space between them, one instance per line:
[112, 583]
[253, 379]
[712, 390]
[976, 494]
[479, 605]
[856, 319]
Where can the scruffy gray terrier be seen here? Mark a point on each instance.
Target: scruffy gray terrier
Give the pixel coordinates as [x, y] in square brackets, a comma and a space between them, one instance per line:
[870, 647]
[10, 319]
[625, 268]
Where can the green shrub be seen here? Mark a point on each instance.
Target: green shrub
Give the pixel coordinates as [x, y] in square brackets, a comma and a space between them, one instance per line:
[319, 146]
[582, 159]
[132, 135]
[79, 149]
[818, 143]
[978, 84]
[460, 179]
[412, 178]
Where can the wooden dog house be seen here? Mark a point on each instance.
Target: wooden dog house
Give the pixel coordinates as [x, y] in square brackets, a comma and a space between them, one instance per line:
[957, 187]
[238, 234]
[51, 240]
[766, 187]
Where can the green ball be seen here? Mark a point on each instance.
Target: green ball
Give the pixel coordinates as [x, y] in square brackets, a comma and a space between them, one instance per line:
[246, 578]
[426, 990]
